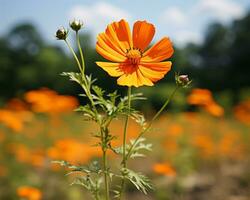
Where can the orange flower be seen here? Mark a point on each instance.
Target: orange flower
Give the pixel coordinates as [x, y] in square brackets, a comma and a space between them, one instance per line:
[205, 145]
[29, 193]
[14, 119]
[21, 152]
[49, 101]
[231, 146]
[17, 105]
[204, 98]
[116, 127]
[165, 169]
[215, 109]
[175, 130]
[200, 97]
[130, 61]
[73, 151]
[242, 111]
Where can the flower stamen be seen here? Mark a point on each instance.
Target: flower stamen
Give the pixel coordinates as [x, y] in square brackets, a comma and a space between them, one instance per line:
[134, 56]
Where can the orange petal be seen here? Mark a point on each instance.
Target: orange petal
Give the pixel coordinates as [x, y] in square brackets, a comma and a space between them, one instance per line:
[108, 53]
[128, 80]
[159, 52]
[155, 71]
[119, 32]
[111, 34]
[105, 48]
[112, 44]
[113, 69]
[143, 80]
[143, 34]
[134, 79]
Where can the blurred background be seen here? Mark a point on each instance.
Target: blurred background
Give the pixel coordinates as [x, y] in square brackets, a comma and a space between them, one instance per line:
[201, 145]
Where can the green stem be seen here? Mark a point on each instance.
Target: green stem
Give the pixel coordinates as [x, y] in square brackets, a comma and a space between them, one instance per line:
[104, 139]
[81, 52]
[74, 54]
[105, 174]
[124, 163]
[81, 68]
[125, 128]
[150, 124]
[88, 93]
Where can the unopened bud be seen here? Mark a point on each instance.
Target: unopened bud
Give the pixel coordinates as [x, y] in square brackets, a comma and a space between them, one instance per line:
[182, 80]
[62, 34]
[76, 25]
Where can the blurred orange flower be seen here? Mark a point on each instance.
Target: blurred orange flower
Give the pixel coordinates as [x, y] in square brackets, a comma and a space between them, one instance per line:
[214, 109]
[200, 97]
[171, 146]
[48, 101]
[131, 62]
[24, 154]
[73, 151]
[16, 104]
[175, 130]
[242, 111]
[204, 98]
[205, 144]
[116, 128]
[165, 169]
[15, 119]
[37, 158]
[231, 146]
[29, 193]
[21, 152]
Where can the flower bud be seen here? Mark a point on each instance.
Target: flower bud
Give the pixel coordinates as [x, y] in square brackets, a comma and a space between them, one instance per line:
[76, 25]
[182, 80]
[62, 34]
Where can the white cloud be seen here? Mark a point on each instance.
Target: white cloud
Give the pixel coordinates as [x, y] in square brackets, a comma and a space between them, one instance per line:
[188, 25]
[174, 16]
[184, 36]
[180, 27]
[98, 15]
[222, 10]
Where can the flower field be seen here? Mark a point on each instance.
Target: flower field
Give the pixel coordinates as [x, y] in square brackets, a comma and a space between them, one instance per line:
[196, 155]
[125, 100]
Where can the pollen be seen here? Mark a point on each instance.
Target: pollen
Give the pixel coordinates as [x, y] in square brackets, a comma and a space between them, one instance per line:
[134, 56]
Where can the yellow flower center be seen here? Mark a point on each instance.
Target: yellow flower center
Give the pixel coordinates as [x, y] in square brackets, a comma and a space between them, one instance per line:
[134, 56]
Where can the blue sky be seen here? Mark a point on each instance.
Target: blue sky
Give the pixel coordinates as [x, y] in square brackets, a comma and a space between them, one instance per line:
[181, 20]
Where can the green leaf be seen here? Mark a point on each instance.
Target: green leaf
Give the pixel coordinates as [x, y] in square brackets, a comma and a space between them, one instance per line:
[137, 150]
[140, 181]
[113, 96]
[89, 80]
[91, 179]
[89, 184]
[99, 91]
[87, 111]
[73, 76]
[138, 117]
